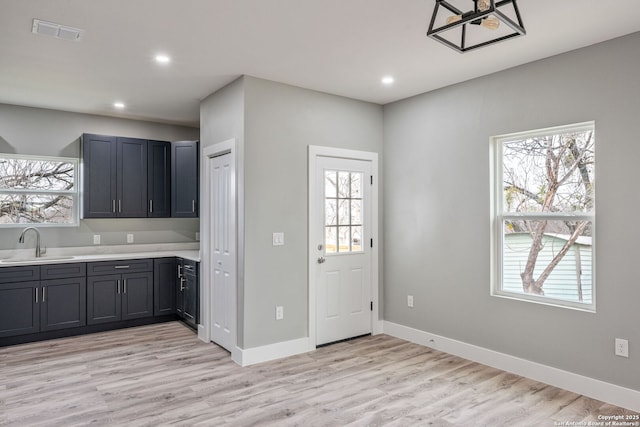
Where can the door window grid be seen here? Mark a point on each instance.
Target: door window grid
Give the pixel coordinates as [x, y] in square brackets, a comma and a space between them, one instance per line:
[343, 211]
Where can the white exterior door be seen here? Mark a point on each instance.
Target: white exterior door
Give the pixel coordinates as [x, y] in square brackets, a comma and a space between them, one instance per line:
[343, 261]
[223, 250]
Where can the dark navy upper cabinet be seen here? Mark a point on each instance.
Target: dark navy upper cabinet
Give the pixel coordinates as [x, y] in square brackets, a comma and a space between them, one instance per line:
[159, 179]
[184, 179]
[99, 154]
[125, 177]
[132, 177]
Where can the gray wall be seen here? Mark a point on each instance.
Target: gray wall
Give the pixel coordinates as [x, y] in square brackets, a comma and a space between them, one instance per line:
[437, 201]
[44, 132]
[222, 118]
[280, 122]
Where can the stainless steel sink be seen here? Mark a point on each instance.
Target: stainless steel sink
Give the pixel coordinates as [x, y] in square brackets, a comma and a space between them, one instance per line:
[39, 260]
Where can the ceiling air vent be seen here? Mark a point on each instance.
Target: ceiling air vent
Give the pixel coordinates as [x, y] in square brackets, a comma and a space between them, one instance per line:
[58, 31]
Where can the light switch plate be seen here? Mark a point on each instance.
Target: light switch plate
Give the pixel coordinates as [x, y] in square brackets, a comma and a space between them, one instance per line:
[129, 238]
[96, 239]
[278, 239]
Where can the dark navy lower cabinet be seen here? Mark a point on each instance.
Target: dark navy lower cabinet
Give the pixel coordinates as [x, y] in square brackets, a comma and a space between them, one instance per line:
[187, 292]
[113, 296]
[63, 303]
[19, 308]
[32, 306]
[164, 286]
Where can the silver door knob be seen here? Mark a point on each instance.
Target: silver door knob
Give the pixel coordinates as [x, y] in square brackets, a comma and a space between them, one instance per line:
[321, 260]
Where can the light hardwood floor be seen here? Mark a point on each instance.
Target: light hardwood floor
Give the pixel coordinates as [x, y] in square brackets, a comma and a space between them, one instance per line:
[162, 375]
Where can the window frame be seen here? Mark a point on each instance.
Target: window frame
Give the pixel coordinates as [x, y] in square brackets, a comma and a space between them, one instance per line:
[74, 193]
[498, 216]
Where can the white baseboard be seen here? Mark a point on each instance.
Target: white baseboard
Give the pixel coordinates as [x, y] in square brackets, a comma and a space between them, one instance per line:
[595, 389]
[202, 334]
[251, 356]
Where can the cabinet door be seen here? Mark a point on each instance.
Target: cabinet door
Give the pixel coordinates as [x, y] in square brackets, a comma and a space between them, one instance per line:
[63, 304]
[132, 177]
[184, 179]
[191, 304]
[137, 295]
[159, 179]
[103, 299]
[19, 308]
[99, 176]
[164, 286]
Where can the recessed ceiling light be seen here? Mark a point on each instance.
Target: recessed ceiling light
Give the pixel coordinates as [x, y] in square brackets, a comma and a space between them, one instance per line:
[387, 80]
[162, 59]
[119, 105]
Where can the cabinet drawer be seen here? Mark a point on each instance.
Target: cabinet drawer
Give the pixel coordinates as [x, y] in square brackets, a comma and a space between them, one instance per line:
[190, 267]
[119, 267]
[62, 271]
[19, 274]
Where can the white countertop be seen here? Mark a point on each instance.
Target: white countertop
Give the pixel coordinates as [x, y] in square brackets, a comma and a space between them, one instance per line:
[18, 257]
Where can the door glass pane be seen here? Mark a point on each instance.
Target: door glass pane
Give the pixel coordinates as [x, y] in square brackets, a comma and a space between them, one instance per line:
[343, 211]
[344, 184]
[356, 185]
[330, 212]
[356, 212]
[331, 240]
[330, 183]
[356, 238]
[344, 237]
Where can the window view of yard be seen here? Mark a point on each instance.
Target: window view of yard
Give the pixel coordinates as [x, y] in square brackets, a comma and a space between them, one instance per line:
[37, 190]
[343, 211]
[546, 213]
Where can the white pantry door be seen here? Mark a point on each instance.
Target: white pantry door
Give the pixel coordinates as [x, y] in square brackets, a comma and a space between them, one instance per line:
[343, 256]
[223, 250]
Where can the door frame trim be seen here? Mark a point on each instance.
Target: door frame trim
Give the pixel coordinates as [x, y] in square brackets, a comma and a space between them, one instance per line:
[314, 152]
[206, 283]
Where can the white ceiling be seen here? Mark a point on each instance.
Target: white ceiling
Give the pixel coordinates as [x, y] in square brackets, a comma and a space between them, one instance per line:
[342, 47]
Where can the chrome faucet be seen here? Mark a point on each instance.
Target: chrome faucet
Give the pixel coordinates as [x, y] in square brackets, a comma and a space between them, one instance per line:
[39, 251]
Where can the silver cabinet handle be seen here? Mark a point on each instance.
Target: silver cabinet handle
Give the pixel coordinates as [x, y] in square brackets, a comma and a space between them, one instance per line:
[36, 295]
[193, 206]
[118, 286]
[151, 206]
[43, 293]
[182, 283]
[121, 266]
[114, 205]
[179, 270]
[125, 286]
[119, 205]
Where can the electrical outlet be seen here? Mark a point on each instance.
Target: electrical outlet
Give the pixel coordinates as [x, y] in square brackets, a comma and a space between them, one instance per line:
[279, 312]
[622, 347]
[129, 238]
[96, 239]
[197, 236]
[410, 301]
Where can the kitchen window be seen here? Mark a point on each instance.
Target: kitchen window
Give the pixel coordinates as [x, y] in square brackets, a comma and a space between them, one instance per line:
[544, 216]
[38, 190]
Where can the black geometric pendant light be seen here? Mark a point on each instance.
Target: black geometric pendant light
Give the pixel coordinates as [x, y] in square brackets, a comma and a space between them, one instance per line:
[486, 22]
